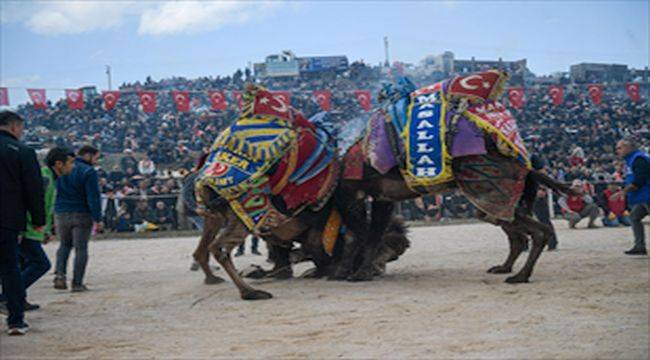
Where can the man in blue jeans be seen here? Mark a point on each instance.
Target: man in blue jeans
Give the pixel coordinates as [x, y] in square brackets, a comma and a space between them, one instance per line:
[77, 209]
[21, 190]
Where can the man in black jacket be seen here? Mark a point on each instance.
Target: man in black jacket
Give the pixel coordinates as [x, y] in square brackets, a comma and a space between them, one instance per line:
[21, 190]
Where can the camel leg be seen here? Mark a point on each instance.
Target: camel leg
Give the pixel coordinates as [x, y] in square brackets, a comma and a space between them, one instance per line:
[540, 234]
[281, 263]
[381, 213]
[313, 246]
[353, 212]
[517, 240]
[202, 254]
[231, 235]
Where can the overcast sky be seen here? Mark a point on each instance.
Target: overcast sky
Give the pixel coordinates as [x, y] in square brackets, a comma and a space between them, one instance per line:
[67, 44]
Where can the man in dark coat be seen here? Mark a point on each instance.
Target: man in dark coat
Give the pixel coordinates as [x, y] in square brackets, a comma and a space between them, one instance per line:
[21, 190]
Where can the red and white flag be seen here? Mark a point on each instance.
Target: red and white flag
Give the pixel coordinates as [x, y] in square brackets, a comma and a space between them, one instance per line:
[182, 100]
[364, 99]
[218, 100]
[38, 98]
[324, 99]
[4, 97]
[516, 97]
[633, 91]
[148, 101]
[270, 104]
[110, 99]
[595, 93]
[557, 94]
[75, 99]
[238, 99]
[284, 96]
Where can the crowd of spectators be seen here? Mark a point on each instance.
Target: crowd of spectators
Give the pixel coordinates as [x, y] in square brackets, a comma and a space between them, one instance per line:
[147, 154]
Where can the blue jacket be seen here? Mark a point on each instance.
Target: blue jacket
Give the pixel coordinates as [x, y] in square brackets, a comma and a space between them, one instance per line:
[79, 191]
[637, 173]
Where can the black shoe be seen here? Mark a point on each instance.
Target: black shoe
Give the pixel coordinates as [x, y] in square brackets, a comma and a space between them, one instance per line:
[19, 329]
[79, 288]
[551, 248]
[239, 253]
[255, 252]
[635, 251]
[31, 307]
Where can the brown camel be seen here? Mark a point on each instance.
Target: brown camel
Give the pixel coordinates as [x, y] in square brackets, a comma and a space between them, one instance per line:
[387, 189]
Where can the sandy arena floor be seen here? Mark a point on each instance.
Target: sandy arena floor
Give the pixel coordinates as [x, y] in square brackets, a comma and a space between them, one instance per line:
[586, 300]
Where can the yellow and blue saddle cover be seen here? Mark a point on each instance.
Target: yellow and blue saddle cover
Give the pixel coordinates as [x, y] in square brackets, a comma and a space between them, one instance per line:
[244, 152]
[420, 123]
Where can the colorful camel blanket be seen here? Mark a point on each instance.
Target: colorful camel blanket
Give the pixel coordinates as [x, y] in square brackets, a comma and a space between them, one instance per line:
[423, 130]
[271, 163]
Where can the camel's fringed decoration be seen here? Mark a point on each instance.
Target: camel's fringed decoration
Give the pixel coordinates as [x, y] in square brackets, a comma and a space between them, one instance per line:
[271, 150]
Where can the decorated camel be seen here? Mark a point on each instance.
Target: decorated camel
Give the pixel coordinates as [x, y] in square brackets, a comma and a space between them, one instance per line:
[451, 136]
[273, 173]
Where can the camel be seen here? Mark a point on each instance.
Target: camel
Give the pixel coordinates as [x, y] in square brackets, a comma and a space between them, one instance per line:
[505, 177]
[272, 173]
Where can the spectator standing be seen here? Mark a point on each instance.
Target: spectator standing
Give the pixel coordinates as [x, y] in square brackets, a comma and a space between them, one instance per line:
[77, 209]
[637, 190]
[21, 190]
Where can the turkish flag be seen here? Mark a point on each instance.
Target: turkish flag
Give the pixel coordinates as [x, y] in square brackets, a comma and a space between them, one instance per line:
[148, 101]
[182, 100]
[480, 85]
[324, 99]
[285, 96]
[75, 99]
[633, 91]
[237, 95]
[595, 93]
[557, 94]
[218, 100]
[516, 97]
[110, 99]
[4, 97]
[269, 104]
[38, 98]
[364, 99]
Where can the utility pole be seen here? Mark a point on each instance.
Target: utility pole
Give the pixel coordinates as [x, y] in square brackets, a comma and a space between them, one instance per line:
[108, 75]
[386, 62]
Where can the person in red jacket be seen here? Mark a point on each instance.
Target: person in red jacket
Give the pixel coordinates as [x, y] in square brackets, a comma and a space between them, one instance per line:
[578, 207]
[613, 203]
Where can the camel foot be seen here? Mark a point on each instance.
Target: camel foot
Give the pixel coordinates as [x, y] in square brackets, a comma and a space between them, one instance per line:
[211, 280]
[499, 269]
[339, 274]
[517, 279]
[282, 273]
[361, 275]
[256, 295]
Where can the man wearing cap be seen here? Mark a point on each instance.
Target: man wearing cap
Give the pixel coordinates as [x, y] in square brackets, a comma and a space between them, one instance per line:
[637, 190]
[579, 206]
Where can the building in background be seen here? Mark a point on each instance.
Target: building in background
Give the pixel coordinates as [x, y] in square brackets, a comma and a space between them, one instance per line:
[287, 64]
[584, 73]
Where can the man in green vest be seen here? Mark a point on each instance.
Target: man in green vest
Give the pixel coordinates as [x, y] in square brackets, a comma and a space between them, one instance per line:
[59, 161]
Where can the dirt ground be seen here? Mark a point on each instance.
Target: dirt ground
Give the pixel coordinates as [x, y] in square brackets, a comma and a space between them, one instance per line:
[586, 300]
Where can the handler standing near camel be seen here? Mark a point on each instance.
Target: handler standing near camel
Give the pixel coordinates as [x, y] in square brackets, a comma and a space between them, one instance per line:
[637, 190]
